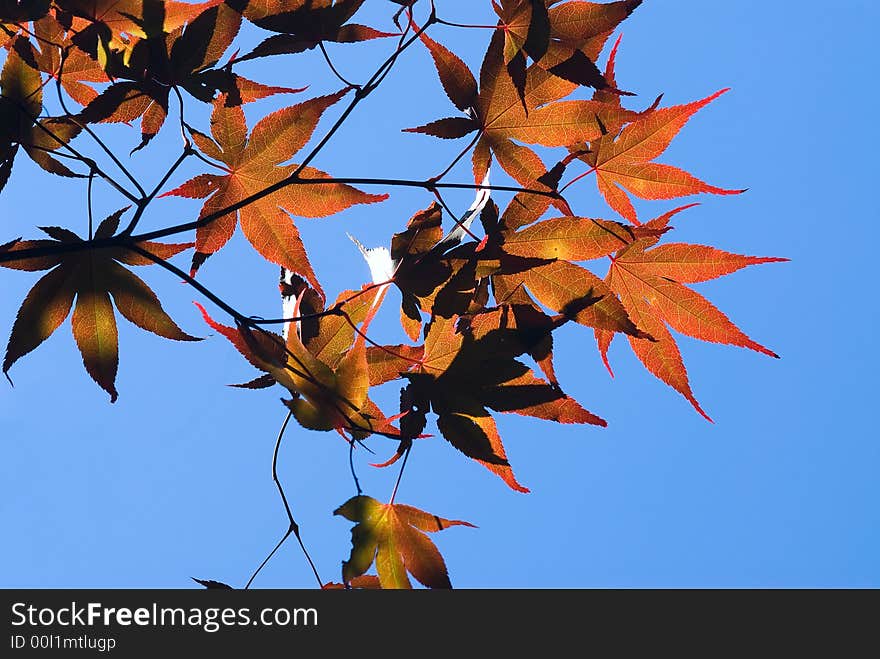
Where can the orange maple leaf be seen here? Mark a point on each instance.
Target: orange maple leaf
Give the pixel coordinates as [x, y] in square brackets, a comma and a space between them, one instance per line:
[623, 159]
[253, 163]
[78, 68]
[651, 286]
[505, 118]
[560, 284]
[564, 39]
[304, 24]
[133, 18]
[21, 104]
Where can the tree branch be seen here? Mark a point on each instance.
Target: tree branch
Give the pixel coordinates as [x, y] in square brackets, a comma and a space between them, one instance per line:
[143, 203]
[129, 241]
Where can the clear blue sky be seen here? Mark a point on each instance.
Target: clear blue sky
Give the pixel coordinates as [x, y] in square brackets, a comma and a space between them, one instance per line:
[173, 480]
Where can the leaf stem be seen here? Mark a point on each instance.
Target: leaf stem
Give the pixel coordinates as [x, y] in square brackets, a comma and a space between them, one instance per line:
[373, 343]
[577, 178]
[400, 475]
[458, 221]
[89, 203]
[470, 27]
[458, 157]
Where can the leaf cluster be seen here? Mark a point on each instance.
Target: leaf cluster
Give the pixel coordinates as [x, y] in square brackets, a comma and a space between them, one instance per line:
[481, 293]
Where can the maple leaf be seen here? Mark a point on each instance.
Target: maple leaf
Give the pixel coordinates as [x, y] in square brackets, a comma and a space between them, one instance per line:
[327, 373]
[418, 271]
[625, 161]
[124, 19]
[393, 536]
[570, 238]
[210, 584]
[78, 68]
[427, 279]
[329, 333]
[651, 286]
[574, 292]
[526, 25]
[254, 163]
[21, 104]
[363, 582]
[463, 374]
[304, 24]
[91, 278]
[562, 285]
[533, 259]
[152, 67]
[456, 283]
[565, 39]
[386, 363]
[578, 32]
[505, 118]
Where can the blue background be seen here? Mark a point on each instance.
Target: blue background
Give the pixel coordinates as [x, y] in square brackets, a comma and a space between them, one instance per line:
[173, 480]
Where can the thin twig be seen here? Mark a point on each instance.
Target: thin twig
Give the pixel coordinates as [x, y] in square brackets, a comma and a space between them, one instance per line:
[459, 223]
[401, 44]
[332, 311]
[186, 143]
[357, 483]
[360, 94]
[201, 288]
[293, 527]
[333, 68]
[425, 185]
[89, 203]
[470, 27]
[85, 127]
[373, 343]
[147, 200]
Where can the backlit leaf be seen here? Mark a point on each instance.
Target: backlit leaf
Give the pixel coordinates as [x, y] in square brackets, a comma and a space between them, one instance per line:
[86, 281]
[392, 536]
[254, 163]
